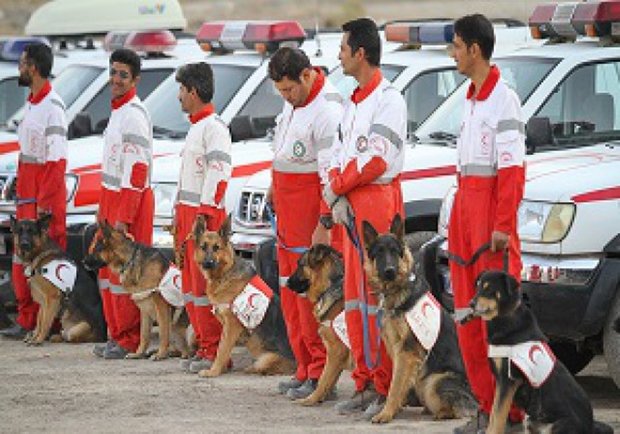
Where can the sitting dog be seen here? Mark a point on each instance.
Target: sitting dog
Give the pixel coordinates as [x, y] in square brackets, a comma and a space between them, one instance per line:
[154, 285]
[319, 275]
[243, 303]
[525, 368]
[418, 333]
[50, 274]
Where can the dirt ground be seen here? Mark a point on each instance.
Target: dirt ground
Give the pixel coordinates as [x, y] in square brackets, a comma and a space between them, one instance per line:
[63, 388]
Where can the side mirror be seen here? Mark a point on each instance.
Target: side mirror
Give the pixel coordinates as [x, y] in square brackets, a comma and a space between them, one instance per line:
[81, 126]
[538, 133]
[241, 128]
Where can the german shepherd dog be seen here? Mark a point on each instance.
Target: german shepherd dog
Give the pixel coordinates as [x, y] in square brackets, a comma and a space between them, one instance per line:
[437, 374]
[227, 277]
[81, 319]
[559, 404]
[319, 275]
[141, 270]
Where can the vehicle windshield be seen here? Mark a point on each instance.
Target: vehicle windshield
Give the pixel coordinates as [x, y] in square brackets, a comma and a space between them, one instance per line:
[69, 84]
[347, 84]
[523, 74]
[165, 109]
[12, 97]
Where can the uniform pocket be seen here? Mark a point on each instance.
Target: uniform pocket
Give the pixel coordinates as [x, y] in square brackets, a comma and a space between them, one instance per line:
[486, 139]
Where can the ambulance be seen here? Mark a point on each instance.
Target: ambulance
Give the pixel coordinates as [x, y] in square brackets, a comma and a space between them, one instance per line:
[569, 219]
[426, 75]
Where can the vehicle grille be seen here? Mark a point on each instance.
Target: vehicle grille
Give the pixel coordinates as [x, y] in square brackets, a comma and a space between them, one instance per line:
[252, 208]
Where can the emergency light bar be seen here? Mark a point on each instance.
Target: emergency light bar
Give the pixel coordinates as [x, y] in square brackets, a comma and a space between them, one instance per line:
[156, 41]
[568, 20]
[420, 33]
[262, 36]
[11, 48]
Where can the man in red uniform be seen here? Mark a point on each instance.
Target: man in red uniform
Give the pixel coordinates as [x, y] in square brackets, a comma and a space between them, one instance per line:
[367, 158]
[126, 196]
[206, 167]
[491, 150]
[303, 135]
[41, 170]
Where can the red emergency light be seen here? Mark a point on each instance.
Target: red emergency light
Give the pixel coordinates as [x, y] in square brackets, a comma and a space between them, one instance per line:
[157, 41]
[598, 18]
[540, 21]
[208, 36]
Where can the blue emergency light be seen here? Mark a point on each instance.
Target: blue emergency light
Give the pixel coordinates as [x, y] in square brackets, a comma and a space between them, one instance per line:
[420, 33]
[11, 48]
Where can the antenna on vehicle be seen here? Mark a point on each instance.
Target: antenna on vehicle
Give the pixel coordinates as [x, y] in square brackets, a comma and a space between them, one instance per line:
[317, 37]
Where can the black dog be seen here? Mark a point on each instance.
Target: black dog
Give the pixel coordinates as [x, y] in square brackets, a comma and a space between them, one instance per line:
[550, 396]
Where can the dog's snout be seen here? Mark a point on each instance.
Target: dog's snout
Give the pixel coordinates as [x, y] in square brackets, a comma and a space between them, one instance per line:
[208, 264]
[390, 273]
[25, 245]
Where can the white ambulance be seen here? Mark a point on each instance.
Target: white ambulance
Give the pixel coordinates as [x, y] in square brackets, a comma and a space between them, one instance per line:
[569, 220]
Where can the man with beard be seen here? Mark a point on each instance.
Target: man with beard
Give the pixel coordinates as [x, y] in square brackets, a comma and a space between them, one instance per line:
[41, 169]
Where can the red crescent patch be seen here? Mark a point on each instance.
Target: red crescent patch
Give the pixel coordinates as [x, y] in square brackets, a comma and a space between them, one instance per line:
[175, 281]
[532, 351]
[61, 266]
[424, 306]
[250, 300]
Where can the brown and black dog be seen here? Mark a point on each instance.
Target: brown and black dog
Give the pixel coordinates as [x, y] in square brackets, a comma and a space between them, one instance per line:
[142, 271]
[425, 354]
[229, 280]
[51, 277]
[551, 397]
[319, 275]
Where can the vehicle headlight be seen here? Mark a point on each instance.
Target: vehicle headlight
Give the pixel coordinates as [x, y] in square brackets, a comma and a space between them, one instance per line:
[444, 212]
[545, 222]
[165, 195]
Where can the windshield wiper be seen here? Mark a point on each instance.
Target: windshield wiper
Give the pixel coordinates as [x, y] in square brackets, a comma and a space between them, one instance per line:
[443, 136]
[167, 132]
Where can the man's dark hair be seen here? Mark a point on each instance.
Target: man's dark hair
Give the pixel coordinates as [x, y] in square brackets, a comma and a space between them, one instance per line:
[363, 33]
[129, 58]
[288, 63]
[476, 29]
[197, 76]
[40, 55]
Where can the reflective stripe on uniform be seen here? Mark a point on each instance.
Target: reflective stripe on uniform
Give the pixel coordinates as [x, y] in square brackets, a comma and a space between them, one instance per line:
[188, 298]
[336, 97]
[58, 103]
[136, 140]
[189, 196]
[510, 125]
[103, 283]
[288, 167]
[110, 180]
[283, 280]
[478, 170]
[118, 290]
[17, 260]
[325, 142]
[218, 156]
[201, 301]
[60, 131]
[388, 133]
[353, 305]
[28, 158]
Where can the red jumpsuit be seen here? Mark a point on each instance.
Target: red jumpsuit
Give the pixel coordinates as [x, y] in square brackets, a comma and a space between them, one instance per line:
[491, 177]
[205, 171]
[126, 197]
[302, 139]
[40, 182]
[367, 158]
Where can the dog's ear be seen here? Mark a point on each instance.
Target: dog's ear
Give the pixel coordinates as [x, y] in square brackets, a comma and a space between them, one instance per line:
[396, 228]
[43, 222]
[225, 229]
[317, 254]
[200, 226]
[370, 234]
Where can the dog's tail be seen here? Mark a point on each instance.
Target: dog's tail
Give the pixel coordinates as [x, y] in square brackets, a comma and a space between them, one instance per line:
[602, 428]
[455, 390]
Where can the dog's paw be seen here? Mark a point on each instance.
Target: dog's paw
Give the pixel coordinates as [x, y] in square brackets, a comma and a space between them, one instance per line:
[307, 402]
[56, 339]
[159, 356]
[209, 373]
[382, 417]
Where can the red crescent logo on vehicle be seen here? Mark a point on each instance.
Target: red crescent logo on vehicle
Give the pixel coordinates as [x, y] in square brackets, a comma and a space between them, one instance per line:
[60, 267]
[176, 282]
[534, 349]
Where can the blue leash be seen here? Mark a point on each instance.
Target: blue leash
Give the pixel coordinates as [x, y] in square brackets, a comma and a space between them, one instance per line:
[355, 239]
[274, 227]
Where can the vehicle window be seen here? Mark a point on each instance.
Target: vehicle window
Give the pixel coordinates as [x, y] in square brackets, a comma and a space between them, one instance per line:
[99, 107]
[523, 74]
[586, 103]
[263, 107]
[12, 97]
[165, 109]
[426, 92]
[73, 80]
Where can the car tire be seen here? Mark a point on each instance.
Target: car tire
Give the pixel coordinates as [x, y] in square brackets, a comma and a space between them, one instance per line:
[415, 240]
[573, 358]
[611, 340]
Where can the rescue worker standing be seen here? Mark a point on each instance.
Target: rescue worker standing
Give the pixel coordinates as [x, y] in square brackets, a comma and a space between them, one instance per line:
[41, 169]
[126, 196]
[206, 168]
[303, 135]
[367, 158]
[491, 176]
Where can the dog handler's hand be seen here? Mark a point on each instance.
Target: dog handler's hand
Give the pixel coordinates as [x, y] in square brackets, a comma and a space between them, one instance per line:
[499, 241]
[341, 211]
